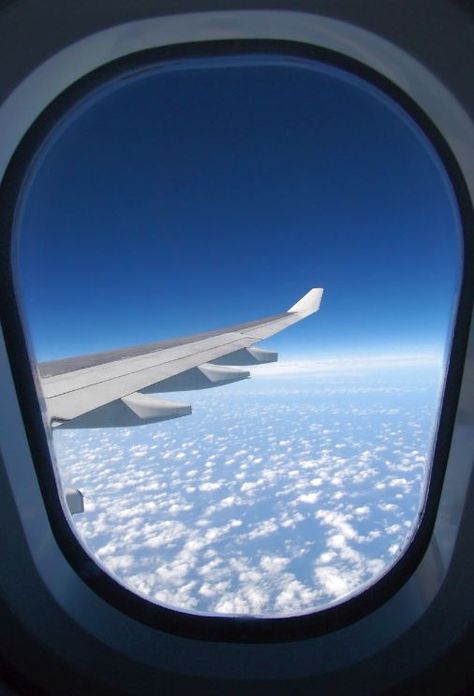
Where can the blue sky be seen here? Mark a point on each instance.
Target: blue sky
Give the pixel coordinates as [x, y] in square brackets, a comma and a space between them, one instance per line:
[187, 199]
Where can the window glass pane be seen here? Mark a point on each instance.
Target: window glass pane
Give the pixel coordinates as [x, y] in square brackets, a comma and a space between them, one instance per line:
[204, 193]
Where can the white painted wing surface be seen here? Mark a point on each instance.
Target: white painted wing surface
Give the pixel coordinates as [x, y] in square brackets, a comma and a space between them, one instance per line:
[77, 386]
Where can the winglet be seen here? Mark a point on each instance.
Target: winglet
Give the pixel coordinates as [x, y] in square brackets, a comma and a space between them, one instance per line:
[309, 303]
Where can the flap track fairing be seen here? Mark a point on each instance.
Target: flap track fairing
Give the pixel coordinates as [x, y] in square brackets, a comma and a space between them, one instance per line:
[202, 377]
[247, 356]
[134, 409]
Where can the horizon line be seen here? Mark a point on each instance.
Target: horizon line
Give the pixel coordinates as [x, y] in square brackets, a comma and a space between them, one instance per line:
[332, 363]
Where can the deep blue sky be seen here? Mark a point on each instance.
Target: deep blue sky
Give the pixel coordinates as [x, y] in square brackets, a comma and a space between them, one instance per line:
[184, 200]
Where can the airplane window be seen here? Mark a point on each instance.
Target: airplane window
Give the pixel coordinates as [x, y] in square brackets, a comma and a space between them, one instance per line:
[214, 198]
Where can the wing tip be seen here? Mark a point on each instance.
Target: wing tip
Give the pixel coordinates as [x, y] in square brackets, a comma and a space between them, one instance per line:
[309, 303]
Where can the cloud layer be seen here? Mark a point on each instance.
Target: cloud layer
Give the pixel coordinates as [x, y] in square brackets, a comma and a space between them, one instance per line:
[275, 497]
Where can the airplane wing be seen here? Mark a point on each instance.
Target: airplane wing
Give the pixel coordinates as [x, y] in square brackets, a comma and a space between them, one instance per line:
[113, 388]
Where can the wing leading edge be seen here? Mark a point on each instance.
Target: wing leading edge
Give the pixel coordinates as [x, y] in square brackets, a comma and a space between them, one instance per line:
[113, 389]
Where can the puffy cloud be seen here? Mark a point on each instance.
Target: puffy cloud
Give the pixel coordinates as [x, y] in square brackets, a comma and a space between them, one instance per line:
[210, 486]
[273, 498]
[362, 511]
[263, 529]
[273, 564]
[334, 582]
[310, 498]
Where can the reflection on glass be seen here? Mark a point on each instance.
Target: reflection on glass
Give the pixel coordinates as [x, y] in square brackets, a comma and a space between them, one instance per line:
[211, 192]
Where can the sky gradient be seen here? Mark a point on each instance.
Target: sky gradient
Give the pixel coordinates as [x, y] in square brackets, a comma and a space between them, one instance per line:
[186, 199]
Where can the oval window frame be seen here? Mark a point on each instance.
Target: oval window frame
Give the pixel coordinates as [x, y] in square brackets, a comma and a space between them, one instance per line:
[219, 627]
